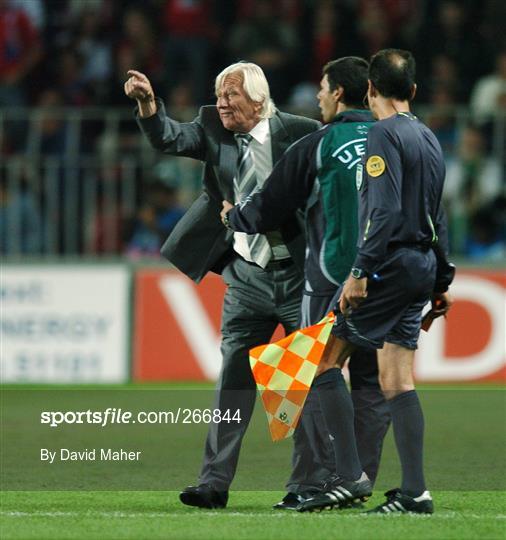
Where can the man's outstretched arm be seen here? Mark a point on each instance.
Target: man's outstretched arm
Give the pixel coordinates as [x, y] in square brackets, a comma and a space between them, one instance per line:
[167, 135]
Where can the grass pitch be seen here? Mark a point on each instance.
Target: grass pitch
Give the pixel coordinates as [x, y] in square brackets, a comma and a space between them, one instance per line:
[147, 515]
[465, 469]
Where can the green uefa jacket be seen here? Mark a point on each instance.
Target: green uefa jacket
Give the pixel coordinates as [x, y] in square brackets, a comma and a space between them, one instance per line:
[318, 174]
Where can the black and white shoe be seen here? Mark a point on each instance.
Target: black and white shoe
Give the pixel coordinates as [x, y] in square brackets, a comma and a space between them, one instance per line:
[399, 503]
[292, 500]
[339, 493]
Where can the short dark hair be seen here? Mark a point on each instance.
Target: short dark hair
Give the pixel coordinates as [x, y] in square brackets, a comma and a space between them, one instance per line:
[349, 72]
[392, 72]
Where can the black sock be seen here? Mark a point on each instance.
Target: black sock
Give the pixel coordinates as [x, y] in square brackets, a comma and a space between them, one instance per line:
[337, 409]
[407, 419]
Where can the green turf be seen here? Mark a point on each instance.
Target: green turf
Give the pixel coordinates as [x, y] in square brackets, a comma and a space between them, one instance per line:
[464, 442]
[104, 515]
[465, 469]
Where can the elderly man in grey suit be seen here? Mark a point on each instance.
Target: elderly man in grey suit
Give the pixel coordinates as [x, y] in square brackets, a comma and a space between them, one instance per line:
[239, 140]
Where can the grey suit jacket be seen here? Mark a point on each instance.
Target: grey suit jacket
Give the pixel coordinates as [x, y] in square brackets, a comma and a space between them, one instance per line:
[200, 243]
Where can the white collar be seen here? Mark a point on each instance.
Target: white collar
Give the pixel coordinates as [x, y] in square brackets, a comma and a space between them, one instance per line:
[261, 131]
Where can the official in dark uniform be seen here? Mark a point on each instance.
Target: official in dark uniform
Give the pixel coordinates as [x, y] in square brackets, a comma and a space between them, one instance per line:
[239, 139]
[318, 175]
[400, 266]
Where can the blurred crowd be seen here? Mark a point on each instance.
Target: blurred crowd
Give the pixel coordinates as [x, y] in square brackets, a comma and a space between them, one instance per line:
[75, 53]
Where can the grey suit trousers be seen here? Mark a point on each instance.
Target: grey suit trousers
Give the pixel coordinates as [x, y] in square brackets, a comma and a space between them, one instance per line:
[256, 301]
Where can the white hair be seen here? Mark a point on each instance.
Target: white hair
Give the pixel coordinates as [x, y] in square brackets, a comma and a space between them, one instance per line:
[254, 83]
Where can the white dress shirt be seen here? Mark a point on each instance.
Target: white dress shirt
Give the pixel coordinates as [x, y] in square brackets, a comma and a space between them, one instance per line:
[261, 151]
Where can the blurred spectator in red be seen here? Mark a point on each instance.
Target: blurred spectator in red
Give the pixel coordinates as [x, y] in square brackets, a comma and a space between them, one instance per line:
[268, 39]
[489, 93]
[34, 9]
[189, 32]
[104, 231]
[325, 36]
[105, 223]
[20, 50]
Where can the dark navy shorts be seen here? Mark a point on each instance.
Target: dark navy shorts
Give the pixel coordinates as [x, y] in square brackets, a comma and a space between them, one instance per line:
[363, 365]
[392, 311]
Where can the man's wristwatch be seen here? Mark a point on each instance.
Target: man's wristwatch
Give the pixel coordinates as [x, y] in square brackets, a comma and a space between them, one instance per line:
[358, 273]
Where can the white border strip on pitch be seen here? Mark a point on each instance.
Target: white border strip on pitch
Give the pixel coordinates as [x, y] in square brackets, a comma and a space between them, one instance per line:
[168, 514]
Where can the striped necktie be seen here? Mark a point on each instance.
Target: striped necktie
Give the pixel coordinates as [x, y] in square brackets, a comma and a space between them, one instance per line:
[245, 184]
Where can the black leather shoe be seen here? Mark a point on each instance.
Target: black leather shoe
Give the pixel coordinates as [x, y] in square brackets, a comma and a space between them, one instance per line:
[204, 496]
[292, 500]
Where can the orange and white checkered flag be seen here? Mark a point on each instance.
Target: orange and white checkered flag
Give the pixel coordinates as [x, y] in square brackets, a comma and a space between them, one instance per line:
[284, 372]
